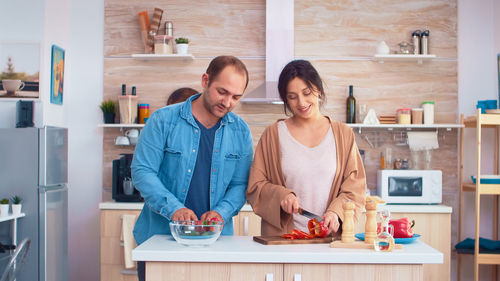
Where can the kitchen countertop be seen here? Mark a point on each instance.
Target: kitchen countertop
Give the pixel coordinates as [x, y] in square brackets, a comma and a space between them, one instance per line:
[242, 249]
[111, 205]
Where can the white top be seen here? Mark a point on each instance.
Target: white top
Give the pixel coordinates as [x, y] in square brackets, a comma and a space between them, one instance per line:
[241, 249]
[308, 171]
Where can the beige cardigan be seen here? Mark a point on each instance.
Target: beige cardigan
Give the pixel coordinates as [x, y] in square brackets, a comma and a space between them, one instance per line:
[266, 184]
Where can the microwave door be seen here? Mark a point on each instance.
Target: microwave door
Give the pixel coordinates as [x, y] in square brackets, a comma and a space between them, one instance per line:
[405, 186]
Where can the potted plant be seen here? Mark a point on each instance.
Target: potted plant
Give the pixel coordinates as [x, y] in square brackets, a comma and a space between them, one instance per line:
[16, 205]
[108, 111]
[4, 207]
[182, 45]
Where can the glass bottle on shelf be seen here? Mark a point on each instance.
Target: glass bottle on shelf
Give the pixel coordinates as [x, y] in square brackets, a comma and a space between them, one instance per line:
[384, 242]
[351, 107]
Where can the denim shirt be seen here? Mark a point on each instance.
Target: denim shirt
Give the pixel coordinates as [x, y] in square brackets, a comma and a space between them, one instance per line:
[165, 157]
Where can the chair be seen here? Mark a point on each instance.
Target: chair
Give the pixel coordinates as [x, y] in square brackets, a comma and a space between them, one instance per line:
[15, 261]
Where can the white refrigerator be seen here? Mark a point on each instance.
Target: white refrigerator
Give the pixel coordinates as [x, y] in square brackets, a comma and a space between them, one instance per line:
[34, 165]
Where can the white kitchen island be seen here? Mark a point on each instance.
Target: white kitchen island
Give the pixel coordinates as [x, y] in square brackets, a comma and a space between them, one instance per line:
[240, 258]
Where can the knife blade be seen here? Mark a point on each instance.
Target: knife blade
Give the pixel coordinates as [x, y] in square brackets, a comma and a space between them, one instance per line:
[310, 215]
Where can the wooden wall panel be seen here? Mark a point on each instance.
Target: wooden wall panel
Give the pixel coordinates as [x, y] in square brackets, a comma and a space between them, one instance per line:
[354, 28]
[213, 27]
[339, 37]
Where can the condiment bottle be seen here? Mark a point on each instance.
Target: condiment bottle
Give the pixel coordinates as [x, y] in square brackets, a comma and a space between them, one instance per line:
[143, 112]
[425, 42]
[348, 223]
[428, 107]
[416, 42]
[384, 242]
[351, 107]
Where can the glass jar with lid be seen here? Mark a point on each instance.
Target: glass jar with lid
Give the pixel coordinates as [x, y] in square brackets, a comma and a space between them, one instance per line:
[404, 116]
[163, 44]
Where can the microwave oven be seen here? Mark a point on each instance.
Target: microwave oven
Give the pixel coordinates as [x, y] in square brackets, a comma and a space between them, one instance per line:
[410, 186]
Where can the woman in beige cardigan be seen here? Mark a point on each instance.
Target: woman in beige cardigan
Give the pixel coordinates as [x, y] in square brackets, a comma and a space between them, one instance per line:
[306, 161]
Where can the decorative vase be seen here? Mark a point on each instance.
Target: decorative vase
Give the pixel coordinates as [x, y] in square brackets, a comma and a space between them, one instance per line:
[109, 118]
[182, 49]
[16, 209]
[4, 210]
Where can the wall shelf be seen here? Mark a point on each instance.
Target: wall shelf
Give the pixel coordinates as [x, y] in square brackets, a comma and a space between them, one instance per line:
[403, 57]
[147, 57]
[407, 127]
[120, 125]
[11, 217]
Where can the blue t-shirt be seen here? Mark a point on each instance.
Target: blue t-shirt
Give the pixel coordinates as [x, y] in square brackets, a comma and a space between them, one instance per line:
[198, 197]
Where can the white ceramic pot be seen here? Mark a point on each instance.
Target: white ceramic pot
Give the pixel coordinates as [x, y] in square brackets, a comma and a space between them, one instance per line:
[16, 209]
[182, 49]
[4, 210]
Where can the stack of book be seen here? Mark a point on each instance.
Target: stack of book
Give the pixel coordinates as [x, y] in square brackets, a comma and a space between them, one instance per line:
[387, 119]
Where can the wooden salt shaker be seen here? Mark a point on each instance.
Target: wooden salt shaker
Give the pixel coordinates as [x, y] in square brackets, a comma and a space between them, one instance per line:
[371, 221]
[348, 223]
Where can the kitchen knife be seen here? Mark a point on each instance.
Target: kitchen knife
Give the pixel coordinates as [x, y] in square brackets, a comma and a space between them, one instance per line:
[309, 215]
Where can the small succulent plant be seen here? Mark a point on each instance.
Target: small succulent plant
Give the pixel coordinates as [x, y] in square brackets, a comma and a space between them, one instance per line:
[16, 200]
[4, 201]
[181, 40]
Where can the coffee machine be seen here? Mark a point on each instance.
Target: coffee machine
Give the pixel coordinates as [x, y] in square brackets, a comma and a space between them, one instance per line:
[123, 189]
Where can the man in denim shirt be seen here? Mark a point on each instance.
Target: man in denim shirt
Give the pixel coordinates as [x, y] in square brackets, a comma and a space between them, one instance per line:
[192, 159]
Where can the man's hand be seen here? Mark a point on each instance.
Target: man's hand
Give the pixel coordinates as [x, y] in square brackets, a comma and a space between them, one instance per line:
[290, 204]
[210, 215]
[331, 220]
[184, 214]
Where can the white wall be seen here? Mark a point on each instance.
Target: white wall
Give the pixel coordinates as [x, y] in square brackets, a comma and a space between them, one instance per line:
[478, 46]
[31, 24]
[85, 142]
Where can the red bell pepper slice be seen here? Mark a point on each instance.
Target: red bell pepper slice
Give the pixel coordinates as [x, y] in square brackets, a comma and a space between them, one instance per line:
[316, 228]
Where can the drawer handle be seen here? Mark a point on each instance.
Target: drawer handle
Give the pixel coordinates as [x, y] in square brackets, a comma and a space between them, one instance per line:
[245, 225]
[269, 277]
[128, 272]
[297, 277]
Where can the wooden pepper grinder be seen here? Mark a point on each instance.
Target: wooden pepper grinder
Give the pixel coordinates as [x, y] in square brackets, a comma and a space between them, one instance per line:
[348, 223]
[371, 221]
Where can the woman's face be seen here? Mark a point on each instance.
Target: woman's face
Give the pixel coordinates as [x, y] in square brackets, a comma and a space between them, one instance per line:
[303, 101]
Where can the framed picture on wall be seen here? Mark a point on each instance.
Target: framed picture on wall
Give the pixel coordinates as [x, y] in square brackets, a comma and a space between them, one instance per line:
[19, 69]
[57, 75]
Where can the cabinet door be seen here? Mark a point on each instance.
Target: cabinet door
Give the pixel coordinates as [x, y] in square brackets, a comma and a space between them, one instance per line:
[352, 272]
[435, 230]
[112, 260]
[176, 271]
[249, 224]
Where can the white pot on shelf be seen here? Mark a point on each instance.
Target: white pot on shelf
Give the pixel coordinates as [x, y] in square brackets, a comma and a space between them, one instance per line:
[16, 209]
[4, 210]
[182, 49]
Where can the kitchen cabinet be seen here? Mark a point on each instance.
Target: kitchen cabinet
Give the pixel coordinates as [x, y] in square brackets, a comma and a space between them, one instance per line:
[112, 260]
[214, 271]
[480, 122]
[240, 258]
[246, 223]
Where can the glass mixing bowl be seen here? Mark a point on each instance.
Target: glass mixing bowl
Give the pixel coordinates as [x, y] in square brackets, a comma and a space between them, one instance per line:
[196, 233]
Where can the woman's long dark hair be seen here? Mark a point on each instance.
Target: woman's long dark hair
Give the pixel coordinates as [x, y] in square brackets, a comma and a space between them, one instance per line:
[304, 70]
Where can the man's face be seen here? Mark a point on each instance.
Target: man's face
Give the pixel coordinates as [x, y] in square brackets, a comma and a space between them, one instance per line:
[224, 92]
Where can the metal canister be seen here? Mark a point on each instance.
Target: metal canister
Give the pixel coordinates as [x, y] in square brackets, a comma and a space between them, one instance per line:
[425, 42]
[169, 28]
[416, 42]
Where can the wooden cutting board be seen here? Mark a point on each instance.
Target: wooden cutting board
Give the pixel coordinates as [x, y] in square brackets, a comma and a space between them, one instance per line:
[276, 240]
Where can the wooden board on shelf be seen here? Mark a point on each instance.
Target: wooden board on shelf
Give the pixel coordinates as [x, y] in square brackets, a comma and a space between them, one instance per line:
[276, 240]
[358, 245]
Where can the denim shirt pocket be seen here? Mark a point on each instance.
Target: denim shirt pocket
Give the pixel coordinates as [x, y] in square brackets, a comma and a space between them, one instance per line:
[230, 161]
[170, 165]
